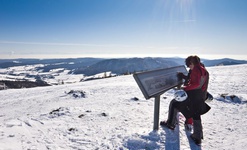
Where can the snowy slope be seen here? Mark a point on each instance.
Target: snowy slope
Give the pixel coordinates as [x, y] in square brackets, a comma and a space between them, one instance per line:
[31, 72]
[109, 117]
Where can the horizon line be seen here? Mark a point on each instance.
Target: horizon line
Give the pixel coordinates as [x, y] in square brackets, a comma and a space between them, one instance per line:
[62, 56]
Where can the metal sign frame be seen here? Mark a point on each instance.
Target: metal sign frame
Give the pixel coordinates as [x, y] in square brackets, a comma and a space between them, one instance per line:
[156, 82]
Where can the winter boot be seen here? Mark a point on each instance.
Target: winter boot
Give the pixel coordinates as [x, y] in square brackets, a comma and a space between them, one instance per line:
[167, 125]
[197, 136]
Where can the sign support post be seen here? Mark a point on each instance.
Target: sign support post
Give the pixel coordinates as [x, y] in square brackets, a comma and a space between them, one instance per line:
[156, 112]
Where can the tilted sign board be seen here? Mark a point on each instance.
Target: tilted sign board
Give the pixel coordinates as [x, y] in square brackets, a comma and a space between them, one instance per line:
[156, 82]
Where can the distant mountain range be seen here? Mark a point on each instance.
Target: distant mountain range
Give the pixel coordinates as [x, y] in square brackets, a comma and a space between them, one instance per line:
[91, 66]
[126, 65]
[223, 62]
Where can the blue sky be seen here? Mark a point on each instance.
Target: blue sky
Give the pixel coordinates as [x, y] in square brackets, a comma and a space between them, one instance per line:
[78, 28]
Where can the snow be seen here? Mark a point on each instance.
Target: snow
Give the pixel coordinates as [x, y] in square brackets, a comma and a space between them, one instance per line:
[30, 72]
[113, 114]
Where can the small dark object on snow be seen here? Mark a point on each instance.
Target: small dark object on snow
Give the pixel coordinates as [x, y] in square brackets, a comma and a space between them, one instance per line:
[103, 114]
[59, 112]
[231, 98]
[82, 115]
[72, 129]
[223, 95]
[56, 110]
[135, 99]
[71, 92]
[77, 93]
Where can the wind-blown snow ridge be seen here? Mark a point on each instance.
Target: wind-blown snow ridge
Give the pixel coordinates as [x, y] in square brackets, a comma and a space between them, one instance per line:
[113, 114]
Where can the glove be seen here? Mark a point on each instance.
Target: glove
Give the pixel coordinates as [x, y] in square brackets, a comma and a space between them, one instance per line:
[180, 75]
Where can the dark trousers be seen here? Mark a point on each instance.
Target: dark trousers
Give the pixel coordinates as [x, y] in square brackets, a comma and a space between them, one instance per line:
[193, 107]
[175, 107]
[183, 107]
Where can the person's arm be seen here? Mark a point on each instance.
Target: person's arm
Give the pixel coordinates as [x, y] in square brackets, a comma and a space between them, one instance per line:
[194, 82]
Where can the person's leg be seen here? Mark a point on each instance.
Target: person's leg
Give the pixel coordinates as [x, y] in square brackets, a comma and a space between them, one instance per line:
[183, 107]
[197, 135]
[172, 114]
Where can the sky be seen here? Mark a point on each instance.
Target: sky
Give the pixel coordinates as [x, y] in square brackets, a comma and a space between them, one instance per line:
[122, 28]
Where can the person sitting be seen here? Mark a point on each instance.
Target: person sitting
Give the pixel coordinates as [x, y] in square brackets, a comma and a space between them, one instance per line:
[194, 105]
[207, 96]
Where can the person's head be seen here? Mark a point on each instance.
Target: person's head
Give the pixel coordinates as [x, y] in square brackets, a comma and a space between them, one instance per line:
[191, 61]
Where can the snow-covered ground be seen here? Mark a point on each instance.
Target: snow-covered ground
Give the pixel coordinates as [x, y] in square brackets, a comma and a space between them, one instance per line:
[112, 113]
[30, 72]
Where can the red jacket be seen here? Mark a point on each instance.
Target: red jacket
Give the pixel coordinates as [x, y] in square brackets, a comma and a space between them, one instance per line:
[198, 79]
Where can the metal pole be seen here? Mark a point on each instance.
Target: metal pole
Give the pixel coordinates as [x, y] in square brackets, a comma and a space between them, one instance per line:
[156, 112]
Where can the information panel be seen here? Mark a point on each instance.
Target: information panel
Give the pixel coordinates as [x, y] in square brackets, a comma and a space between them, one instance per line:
[156, 82]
